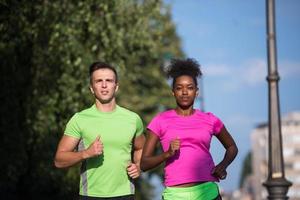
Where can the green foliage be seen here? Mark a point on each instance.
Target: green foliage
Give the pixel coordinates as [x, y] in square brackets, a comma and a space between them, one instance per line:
[46, 48]
[247, 168]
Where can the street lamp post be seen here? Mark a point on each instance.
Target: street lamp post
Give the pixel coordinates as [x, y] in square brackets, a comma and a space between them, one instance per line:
[276, 183]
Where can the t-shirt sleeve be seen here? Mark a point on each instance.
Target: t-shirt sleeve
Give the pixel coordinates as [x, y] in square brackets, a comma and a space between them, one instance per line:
[72, 128]
[217, 124]
[139, 126]
[154, 126]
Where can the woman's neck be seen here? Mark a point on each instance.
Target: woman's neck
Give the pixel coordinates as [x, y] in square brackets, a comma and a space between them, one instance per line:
[185, 111]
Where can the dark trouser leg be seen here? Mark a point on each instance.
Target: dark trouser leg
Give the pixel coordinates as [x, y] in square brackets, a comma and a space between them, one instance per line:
[127, 197]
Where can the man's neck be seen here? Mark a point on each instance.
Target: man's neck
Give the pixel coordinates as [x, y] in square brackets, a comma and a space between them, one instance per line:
[107, 107]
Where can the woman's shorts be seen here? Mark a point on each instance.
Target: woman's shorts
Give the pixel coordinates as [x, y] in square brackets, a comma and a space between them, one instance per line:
[203, 191]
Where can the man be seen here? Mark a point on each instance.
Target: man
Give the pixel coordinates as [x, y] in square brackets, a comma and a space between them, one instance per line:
[109, 138]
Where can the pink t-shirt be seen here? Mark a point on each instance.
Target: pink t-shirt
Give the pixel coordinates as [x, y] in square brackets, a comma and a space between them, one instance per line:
[193, 162]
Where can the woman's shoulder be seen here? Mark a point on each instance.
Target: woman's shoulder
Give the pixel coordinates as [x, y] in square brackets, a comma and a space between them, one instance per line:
[208, 114]
[165, 114]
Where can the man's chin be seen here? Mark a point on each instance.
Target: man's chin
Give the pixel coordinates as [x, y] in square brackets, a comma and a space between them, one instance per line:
[105, 101]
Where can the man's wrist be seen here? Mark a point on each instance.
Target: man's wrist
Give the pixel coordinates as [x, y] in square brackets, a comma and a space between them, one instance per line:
[138, 167]
[84, 155]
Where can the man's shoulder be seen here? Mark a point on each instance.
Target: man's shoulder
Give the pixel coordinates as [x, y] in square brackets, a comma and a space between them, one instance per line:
[83, 113]
[85, 110]
[127, 112]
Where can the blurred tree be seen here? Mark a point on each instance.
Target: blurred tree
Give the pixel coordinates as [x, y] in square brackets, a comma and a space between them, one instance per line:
[247, 169]
[46, 48]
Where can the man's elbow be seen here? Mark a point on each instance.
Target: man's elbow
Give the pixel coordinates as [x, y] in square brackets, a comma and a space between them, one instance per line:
[58, 164]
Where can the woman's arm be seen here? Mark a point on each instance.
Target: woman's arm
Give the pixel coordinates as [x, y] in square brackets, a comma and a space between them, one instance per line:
[150, 161]
[231, 151]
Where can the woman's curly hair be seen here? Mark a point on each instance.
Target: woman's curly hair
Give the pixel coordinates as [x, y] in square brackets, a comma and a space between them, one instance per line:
[179, 67]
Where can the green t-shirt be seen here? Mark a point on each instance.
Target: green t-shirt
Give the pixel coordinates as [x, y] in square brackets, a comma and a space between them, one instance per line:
[106, 175]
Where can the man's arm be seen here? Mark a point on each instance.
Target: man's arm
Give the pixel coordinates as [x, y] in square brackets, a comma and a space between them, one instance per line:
[138, 148]
[65, 155]
[133, 169]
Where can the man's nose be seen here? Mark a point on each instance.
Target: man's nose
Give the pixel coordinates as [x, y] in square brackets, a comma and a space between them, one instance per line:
[104, 84]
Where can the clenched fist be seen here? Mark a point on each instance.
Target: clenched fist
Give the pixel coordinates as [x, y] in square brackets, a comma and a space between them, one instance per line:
[95, 149]
[219, 171]
[133, 170]
[174, 146]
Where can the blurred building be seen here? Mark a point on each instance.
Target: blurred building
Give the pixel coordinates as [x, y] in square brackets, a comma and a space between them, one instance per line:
[290, 127]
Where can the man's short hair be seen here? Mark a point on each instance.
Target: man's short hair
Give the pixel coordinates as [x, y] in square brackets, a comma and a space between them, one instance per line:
[102, 65]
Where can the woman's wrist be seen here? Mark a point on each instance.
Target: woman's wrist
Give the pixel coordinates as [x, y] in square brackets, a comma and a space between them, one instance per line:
[167, 155]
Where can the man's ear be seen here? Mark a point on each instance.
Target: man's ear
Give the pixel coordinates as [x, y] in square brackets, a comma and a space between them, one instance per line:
[91, 89]
[117, 87]
[197, 92]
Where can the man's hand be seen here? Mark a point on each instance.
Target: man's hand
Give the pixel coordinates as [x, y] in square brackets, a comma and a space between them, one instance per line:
[95, 149]
[133, 170]
[174, 146]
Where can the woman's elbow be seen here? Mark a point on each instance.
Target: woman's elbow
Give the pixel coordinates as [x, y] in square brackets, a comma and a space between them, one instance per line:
[235, 150]
[143, 165]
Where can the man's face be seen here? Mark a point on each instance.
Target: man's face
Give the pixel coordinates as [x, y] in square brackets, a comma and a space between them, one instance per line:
[104, 85]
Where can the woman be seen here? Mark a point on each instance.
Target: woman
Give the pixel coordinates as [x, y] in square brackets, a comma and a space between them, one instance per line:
[185, 134]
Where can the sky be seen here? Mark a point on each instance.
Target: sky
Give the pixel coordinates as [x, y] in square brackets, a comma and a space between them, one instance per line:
[228, 39]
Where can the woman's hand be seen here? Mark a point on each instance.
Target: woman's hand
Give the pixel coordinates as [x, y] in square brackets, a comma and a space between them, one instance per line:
[174, 146]
[219, 171]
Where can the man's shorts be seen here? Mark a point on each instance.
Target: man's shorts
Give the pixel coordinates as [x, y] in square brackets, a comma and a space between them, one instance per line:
[127, 197]
[203, 191]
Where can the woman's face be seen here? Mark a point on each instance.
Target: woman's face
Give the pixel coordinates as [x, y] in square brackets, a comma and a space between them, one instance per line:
[185, 91]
